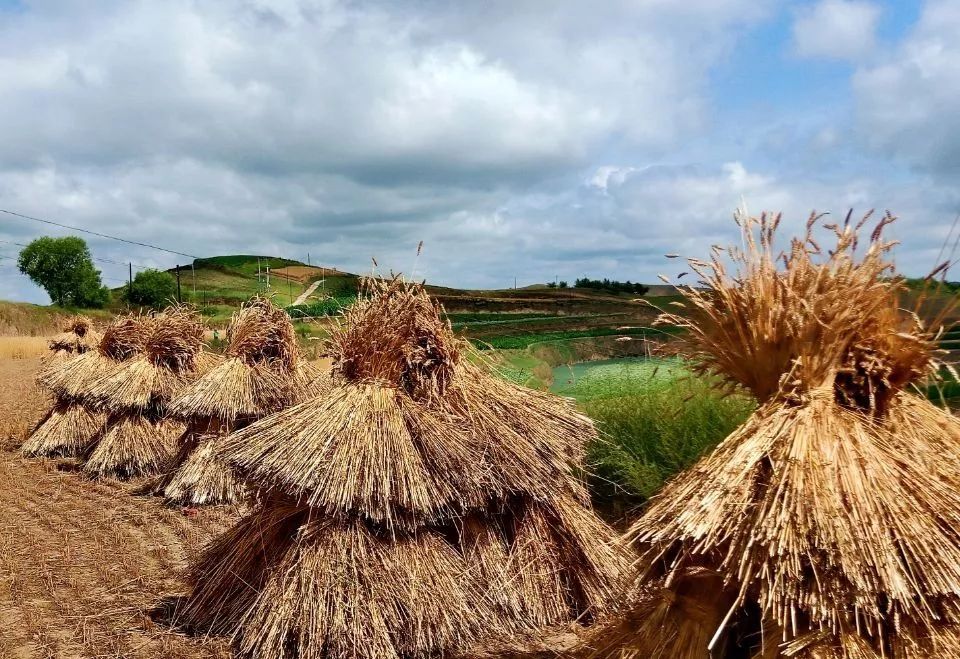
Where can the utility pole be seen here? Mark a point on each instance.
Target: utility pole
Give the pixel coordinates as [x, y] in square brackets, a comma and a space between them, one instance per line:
[308, 258]
[514, 283]
[193, 272]
[130, 279]
[258, 272]
[268, 276]
[178, 284]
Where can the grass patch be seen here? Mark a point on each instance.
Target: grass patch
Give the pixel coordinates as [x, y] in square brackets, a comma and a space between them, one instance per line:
[655, 420]
[522, 367]
[331, 306]
[505, 319]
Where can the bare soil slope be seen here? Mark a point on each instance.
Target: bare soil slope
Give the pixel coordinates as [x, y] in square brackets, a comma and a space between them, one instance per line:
[83, 564]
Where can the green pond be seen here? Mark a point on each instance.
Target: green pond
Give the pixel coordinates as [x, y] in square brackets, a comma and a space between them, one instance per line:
[612, 376]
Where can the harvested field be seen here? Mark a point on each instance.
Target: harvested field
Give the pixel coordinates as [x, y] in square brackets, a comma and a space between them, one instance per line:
[83, 563]
[21, 402]
[304, 273]
[23, 347]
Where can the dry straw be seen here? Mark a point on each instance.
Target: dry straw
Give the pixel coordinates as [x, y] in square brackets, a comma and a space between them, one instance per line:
[828, 525]
[78, 336]
[151, 363]
[261, 374]
[72, 377]
[421, 507]
[71, 426]
[68, 429]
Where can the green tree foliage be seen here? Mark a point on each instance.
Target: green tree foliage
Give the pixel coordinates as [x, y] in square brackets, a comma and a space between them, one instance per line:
[64, 269]
[611, 286]
[151, 288]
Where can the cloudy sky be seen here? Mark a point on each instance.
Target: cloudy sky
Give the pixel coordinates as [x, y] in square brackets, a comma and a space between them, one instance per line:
[516, 138]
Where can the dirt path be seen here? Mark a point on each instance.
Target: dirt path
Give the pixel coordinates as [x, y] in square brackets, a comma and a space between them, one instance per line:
[82, 563]
[307, 293]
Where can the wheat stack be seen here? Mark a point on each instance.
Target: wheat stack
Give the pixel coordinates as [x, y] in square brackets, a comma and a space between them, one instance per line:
[71, 426]
[153, 361]
[420, 507]
[72, 377]
[78, 336]
[262, 373]
[830, 518]
[132, 445]
[68, 429]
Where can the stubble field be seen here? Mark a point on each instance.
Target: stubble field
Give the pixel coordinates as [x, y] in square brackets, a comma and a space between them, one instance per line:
[85, 566]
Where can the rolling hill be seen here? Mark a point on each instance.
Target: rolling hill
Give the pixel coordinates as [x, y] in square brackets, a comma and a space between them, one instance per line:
[219, 284]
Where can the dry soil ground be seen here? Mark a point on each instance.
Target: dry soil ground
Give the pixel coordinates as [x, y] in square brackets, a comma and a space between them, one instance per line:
[83, 563]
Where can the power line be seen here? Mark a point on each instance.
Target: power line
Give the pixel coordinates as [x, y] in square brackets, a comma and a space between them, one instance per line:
[95, 258]
[95, 233]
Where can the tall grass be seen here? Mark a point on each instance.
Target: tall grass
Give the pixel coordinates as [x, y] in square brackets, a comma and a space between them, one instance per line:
[654, 421]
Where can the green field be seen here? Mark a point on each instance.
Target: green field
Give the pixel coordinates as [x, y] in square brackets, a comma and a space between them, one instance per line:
[655, 419]
[518, 342]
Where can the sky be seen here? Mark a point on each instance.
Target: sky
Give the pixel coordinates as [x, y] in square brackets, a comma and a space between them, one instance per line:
[519, 140]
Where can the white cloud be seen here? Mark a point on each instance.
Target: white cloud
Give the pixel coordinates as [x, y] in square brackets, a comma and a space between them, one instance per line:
[909, 103]
[836, 29]
[513, 140]
[351, 129]
[375, 92]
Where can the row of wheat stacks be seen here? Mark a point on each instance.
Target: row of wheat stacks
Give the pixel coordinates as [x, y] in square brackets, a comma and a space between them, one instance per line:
[412, 504]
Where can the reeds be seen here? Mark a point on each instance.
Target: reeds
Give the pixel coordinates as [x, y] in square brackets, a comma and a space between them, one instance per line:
[417, 507]
[831, 515]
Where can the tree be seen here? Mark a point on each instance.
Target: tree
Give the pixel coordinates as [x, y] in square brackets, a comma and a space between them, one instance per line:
[563, 284]
[64, 269]
[611, 286]
[151, 288]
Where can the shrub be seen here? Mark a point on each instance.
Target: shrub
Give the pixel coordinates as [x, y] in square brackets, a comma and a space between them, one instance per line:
[151, 288]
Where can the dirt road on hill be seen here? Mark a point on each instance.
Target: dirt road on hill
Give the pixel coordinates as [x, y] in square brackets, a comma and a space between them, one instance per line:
[82, 563]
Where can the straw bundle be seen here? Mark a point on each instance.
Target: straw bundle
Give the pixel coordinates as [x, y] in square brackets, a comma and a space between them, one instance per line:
[67, 429]
[199, 478]
[169, 360]
[72, 377]
[78, 336]
[400, 514]
[831, 515]
[154, 361]
[261, 374]
[254, 379]
[132, 445]
[71, 426]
